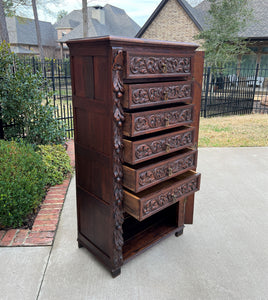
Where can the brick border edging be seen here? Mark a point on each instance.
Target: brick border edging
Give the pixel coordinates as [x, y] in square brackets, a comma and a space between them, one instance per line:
[47, 219]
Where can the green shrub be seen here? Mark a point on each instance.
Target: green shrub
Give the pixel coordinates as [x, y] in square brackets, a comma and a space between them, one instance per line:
[24, 101]
[22, 183]
[56, 161]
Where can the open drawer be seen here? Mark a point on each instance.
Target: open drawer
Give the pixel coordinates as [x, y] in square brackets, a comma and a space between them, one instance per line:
[140, 177]
[144, 204]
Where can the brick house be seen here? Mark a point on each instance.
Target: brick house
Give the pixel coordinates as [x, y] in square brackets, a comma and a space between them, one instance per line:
[177, 20]
[23, 40]
[107, 20]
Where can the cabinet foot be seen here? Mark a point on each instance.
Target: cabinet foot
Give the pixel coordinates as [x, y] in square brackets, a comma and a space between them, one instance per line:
[178, 233]
[80, 245]
[116, 272]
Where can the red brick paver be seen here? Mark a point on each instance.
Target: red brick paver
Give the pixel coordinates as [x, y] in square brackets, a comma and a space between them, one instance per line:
[46, 222]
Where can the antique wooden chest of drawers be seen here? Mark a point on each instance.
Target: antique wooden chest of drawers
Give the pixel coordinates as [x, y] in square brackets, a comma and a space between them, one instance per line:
[136, 117]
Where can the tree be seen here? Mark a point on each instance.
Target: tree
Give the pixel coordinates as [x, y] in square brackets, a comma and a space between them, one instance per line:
[10, 7]
[38, 32]
[221, 41]
[3, 25]
[85, 18]
[61, 14]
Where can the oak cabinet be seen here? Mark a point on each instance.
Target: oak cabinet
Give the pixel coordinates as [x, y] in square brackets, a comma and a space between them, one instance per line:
[136, 118]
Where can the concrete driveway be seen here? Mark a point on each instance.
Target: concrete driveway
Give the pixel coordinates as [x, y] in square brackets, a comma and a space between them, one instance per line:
[223, 255]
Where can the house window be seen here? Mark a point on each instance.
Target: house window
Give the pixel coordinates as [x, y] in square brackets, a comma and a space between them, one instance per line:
[248, 65]
[249, 61]
[264, 60]
[254, 49]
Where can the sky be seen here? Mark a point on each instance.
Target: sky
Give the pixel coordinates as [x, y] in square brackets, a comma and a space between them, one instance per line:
[138, 10]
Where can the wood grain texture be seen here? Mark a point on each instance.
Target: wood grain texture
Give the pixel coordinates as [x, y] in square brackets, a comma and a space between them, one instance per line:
[151, 201]
[135, 116]
[153, 94]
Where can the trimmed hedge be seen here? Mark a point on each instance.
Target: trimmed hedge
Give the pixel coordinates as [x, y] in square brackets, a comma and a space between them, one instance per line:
[56, 161]
[23, 179]
[25, 175]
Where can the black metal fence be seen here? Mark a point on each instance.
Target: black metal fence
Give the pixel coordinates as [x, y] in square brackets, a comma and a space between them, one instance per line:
[57, 72]
[234, 91]
[225, 92]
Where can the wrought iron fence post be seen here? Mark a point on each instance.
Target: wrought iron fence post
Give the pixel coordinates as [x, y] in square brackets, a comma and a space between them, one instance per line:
[53, 81]
[255, 81]
[206, 92]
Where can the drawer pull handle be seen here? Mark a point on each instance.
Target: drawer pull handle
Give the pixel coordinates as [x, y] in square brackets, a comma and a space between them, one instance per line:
[167, 148]
[167, 121]
[164, 68]
[169, 172]
[165, 93]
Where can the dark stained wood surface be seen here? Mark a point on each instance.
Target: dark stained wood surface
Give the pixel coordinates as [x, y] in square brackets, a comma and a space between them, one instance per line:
[132, 99]
[146, 203]
[137, 151]
[140, 178]
[140, 123]
[198, 77]
[154, 94]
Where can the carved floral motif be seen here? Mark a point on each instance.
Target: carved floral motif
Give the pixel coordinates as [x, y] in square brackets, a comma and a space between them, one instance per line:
[159, 65]
[118, 90]
[167, 198]
[155, 94]
[162, 119]
[167, 170]
[164, 145]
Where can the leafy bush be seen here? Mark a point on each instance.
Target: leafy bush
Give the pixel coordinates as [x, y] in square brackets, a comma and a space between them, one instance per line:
[22, 183]
[24, 100]
[56, 161]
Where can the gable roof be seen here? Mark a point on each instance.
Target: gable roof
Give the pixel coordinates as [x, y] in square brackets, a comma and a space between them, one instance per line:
[22, 31]
[258, 29]
[107, 20]
[194, 15]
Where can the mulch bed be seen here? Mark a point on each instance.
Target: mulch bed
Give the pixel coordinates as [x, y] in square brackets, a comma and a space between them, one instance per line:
[45, 224]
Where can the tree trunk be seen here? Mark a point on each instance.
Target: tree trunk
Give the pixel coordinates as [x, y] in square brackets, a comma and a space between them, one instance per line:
[85, 18]
[3, 24]
[38, 32]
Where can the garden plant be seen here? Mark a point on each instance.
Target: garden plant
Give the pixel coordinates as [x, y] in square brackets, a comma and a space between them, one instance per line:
[32, 155]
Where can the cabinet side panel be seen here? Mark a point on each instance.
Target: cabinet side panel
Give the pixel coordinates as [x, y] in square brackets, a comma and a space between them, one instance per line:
[83, 79]
[92, 129]
[198, 76]
[90, 213]
[92, 173]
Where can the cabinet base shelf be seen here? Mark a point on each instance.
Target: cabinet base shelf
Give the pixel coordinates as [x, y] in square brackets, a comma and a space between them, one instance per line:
[145, 240]
[139, 236]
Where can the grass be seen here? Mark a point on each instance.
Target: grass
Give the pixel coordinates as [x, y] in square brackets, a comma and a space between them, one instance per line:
[234, 131]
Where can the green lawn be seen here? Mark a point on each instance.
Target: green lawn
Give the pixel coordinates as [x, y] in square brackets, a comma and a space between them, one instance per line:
[234, 131]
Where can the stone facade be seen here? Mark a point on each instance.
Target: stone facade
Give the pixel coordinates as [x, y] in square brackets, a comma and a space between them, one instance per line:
[172, 24]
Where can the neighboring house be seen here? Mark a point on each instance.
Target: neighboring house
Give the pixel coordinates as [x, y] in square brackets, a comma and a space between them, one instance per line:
[107, 20]
[177, 20]
[23, 40]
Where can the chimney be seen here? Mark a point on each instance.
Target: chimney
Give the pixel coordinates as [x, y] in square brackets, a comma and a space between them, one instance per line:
[98, 14]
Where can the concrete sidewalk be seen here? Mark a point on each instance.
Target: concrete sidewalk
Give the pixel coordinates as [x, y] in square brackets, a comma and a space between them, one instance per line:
[223, 255]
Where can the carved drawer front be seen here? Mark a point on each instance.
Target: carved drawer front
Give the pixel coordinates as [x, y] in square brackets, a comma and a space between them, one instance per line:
[143, 150]
[139, 179]
[156, 120]
[157, 65]
[151, 201]
[151, 94]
